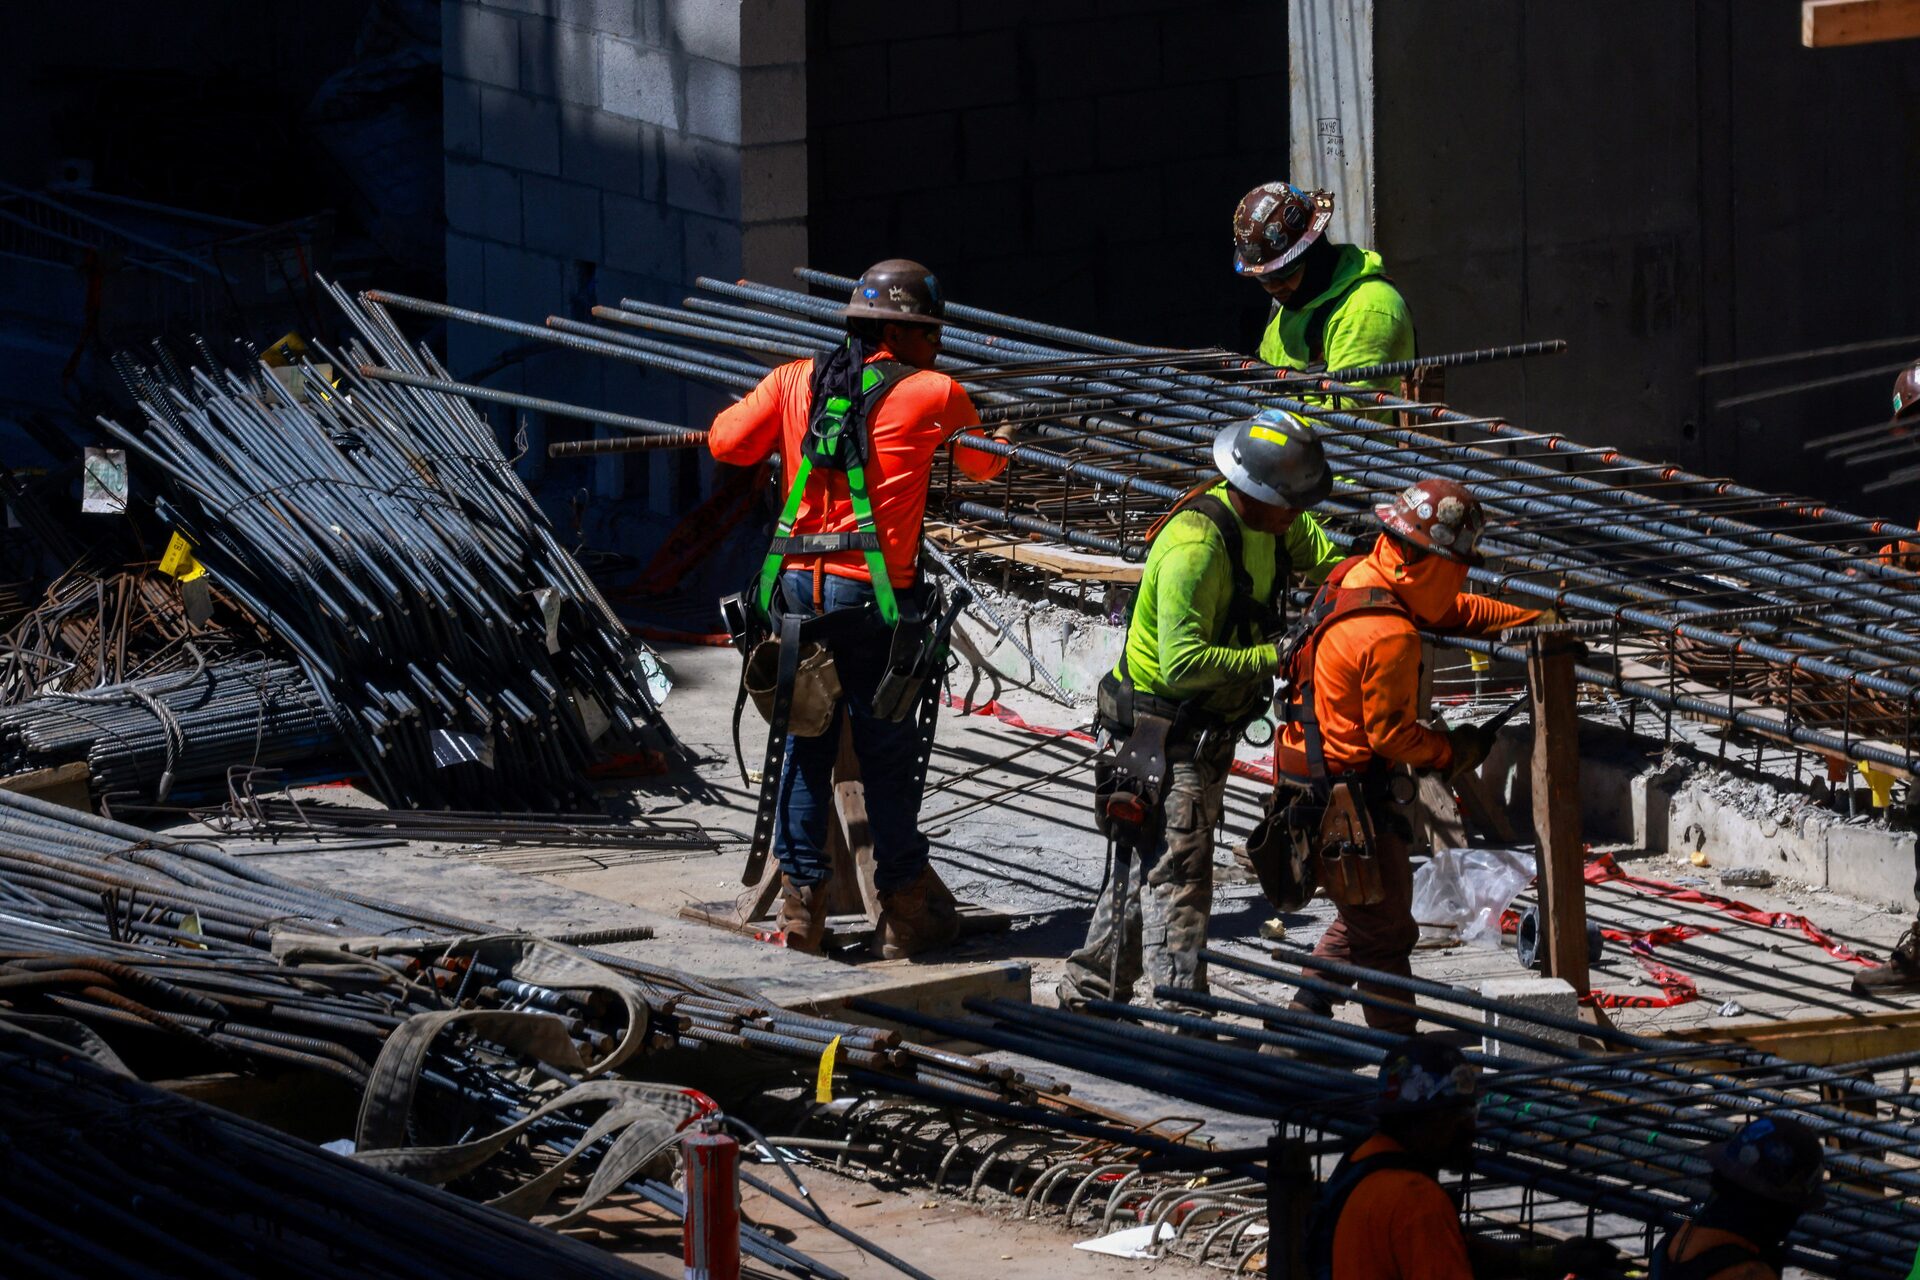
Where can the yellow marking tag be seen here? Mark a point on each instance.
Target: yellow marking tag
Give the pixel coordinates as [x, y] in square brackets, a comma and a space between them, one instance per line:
[177, 560]
[1479, 661]
[1267, 433]
[1881, 784]
[823, 1087]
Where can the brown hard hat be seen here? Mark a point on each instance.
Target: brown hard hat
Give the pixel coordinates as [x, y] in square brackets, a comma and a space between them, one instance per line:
[900, 290]
[1906, 392]
[1440, 515]
[1274, 224]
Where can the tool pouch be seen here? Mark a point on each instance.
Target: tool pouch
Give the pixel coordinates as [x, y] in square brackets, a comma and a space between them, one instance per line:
[816, 686]
[1284, 865]
[910, 662]
[1129, 793]
[1345, 857]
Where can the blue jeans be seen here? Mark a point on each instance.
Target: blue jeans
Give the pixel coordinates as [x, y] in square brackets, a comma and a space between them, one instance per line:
[888, 751]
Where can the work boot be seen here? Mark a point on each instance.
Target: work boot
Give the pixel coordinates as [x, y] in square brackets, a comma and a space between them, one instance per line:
[1901, 972]
[803, 915]
[921, 917]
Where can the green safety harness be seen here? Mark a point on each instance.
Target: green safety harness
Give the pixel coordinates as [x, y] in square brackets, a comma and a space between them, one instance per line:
[837, 440]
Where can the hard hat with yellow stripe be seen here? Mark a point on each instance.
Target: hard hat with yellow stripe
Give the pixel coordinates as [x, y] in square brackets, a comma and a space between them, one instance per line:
[1276, 458]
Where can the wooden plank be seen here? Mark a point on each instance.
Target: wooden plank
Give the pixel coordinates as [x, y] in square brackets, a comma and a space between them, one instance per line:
[1821, 1041]
[1556, 811]
[1829, 24]
[1063, 562]
[63, 784]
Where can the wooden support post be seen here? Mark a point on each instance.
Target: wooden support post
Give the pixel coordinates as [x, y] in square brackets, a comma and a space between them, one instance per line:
[1556, 811]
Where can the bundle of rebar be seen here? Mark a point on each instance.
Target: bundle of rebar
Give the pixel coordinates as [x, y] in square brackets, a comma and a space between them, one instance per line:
[384, 538]
[1675, 568]
[106, 1175]
[143, 738]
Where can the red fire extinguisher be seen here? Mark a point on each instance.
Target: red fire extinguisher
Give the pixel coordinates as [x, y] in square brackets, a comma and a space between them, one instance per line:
[711, 1235]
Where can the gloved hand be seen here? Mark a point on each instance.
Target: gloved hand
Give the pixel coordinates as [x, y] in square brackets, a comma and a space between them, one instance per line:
[1470, 743]
[1586, 1258]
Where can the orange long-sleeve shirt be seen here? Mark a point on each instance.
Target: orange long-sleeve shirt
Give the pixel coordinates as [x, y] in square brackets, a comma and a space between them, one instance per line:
[918, 418]
[1366, 672]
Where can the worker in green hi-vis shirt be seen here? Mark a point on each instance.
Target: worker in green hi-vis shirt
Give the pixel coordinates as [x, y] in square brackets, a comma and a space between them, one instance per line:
[1334, 306]
[1197, 669]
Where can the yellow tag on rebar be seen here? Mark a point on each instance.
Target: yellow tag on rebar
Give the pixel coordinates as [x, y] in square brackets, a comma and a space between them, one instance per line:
[1881, 784]
[177, 560]
[823, 1087]
[1479, 661]
[1267, 433]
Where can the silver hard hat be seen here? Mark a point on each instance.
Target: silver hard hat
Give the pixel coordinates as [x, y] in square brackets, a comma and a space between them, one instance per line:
[1276, 458]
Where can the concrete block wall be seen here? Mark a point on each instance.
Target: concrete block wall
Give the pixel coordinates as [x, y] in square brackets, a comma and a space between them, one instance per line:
[601, 149]
[1069, 161]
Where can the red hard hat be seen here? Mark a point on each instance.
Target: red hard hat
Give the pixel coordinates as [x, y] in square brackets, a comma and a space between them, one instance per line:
[1906, 392]
[1440, 515]
[898, 290]
[1274, 224]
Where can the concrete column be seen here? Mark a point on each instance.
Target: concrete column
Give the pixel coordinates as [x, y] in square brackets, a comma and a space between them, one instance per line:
[1330, 61]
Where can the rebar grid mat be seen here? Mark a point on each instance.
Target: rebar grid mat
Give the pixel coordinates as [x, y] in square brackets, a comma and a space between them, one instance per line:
[1772, 614]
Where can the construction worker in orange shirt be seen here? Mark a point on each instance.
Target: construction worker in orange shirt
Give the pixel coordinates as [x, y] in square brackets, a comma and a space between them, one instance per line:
[1351, 710]
[838, 622]
[1764, 1178]
[1383, 1214]
[1904, 554]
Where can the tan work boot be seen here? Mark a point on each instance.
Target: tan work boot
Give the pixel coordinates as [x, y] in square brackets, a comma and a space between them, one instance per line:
[1901, 972]
[921, 917]
[803, 915]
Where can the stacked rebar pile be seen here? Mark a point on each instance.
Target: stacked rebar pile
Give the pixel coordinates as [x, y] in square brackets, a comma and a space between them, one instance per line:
[143, 738]
[385, 539]
[1686, 581]
[182, 923]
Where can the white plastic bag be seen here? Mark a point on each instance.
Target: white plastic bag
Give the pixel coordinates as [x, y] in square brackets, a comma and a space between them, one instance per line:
[1467, 889]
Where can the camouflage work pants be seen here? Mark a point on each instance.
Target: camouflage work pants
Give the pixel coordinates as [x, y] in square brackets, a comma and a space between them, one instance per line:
[1162, 909]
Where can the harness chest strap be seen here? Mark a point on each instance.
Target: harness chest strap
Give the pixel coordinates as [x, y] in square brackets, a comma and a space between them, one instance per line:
[1333, 602]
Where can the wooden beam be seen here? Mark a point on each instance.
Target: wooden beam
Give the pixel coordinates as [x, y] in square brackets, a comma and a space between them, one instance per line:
[1828, 24]
[1556, 811]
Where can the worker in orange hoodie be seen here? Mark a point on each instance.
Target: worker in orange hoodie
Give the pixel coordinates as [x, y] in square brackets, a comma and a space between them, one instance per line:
[858, 431]
[1352, 705]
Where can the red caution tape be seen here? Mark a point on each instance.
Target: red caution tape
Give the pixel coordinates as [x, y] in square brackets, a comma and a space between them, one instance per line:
[1604, 870]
